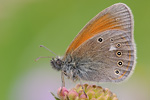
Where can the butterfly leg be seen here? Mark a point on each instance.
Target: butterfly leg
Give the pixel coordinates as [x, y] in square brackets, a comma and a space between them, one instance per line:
[62, 80]
[82, 88]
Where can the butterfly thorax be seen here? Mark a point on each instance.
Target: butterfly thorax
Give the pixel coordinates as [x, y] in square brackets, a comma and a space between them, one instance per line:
[68, 67]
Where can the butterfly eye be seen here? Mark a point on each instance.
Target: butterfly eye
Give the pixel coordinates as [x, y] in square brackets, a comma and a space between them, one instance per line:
[119, 63]
[100, 39]
[119, 53]
[117, 72]
[118, 45]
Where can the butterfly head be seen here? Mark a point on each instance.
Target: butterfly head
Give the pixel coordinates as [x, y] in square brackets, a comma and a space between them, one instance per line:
[66, 66]
[57, 63]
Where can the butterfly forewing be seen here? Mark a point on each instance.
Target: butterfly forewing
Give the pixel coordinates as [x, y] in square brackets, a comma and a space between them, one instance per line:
[117, 16]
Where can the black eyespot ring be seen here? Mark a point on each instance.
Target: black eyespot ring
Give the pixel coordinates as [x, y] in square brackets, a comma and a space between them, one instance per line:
[119, 53]
[100, 39]
[118, 45]
[117, 72]
[119, 63]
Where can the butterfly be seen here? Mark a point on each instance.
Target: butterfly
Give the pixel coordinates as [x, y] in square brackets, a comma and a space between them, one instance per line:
[104, 50]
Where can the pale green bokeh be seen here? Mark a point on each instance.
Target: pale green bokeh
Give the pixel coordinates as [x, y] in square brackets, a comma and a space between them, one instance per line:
[26, 24]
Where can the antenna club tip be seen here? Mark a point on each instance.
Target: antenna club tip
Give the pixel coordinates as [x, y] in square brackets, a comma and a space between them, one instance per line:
[47, 49]
[41, 45]
[37, 59]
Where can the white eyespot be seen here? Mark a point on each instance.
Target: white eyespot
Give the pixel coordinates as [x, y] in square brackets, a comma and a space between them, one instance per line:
[117, 72]
[118, 45]
[119, 53]
[117, 19]
[112, 48]
[120, 63]
[100, 39]
[111, 40]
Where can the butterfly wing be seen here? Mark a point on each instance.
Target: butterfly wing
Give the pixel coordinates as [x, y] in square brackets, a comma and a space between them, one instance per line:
[117, 16]
[109, 56]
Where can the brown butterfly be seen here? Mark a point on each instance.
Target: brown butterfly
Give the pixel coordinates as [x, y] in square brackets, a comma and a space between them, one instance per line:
[104, 50]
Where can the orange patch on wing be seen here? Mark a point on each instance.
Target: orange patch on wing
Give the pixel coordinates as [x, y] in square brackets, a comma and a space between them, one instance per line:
[94, 27]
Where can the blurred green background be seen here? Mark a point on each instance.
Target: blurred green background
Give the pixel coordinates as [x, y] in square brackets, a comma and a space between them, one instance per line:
[26, 24]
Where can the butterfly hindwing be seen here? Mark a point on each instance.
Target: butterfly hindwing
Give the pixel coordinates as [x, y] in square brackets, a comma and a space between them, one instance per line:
[107, 57]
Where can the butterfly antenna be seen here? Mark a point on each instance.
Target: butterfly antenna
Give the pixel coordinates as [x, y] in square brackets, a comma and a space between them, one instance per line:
[48, 49]
[42, 57]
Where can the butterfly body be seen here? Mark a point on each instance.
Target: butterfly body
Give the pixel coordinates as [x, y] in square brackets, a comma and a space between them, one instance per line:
[104, 50]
